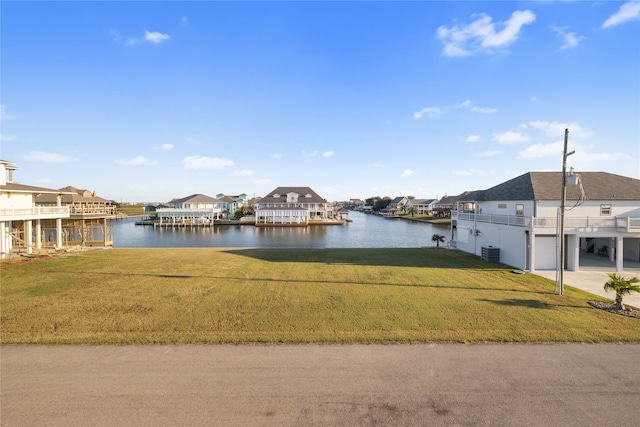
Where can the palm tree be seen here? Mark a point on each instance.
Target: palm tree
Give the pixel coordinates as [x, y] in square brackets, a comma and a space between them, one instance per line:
[622, 287]
[437, 238]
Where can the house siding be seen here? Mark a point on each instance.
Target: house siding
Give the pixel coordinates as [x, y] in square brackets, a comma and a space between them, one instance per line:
[491, 218]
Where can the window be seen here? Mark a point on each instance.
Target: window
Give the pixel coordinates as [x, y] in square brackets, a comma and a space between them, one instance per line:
[605, 209]
[519, 210]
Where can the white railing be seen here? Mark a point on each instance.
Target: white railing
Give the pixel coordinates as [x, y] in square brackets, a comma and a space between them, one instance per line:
[187, 213]
[93, 210]
[36, 212]
[518, 221]
[615, 223]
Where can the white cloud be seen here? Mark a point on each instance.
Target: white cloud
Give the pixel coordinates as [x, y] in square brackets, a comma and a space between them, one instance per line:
[407, 172]
[149, 36]
[583, 156]
[155, 37]
[481, 35]
[627, 12]
[469, 172]
[586, 158]
[314, 153]
[184, 20]
[430, 112]
[569, 39]
[533, 99]
[464, 104]
[165, 147]
[262, 181]
[242, 172]
[556, 129]
[328, 154]
[137, 161]
[276, 156]
[7, 138]
[489, 153]
[3, 113]
[204, 162]
[537, 151]
[115, 36]
[510, 137]
[42, 156]
[484, 110]
[473, 138]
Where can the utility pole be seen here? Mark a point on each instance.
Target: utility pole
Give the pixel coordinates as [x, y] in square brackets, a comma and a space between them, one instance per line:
[560, 284]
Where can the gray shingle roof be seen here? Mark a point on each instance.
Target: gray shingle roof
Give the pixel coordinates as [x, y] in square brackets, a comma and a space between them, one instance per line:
[21, 188]
[76, 197]
[195, 198]
[548, 186]
[300, 191]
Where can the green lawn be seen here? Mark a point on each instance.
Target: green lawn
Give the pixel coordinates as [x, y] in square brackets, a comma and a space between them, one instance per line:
[132, 210]
[291, 295]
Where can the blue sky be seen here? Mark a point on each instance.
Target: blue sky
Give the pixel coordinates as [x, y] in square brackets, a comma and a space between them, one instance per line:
[149, 101]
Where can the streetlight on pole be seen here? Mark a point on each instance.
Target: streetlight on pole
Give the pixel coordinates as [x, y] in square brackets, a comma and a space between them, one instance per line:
[560, 275]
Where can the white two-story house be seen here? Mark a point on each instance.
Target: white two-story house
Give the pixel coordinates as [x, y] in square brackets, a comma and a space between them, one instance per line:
[521, 217]
[192, 209]
[422, 206]
[292, 206]
[21, 219]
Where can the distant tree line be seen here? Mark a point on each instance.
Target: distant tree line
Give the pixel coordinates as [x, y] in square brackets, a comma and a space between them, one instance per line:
[378, 202]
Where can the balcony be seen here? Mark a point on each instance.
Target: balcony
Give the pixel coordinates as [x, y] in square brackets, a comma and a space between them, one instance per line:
[187, 212]
[618, 224]
[93, 211]
[518, 221]
[36, 212]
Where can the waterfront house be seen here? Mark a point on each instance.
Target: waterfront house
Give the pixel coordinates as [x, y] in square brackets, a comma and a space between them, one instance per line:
[442, 208]
[395, 206]
[422, 206]
[87, 224]
[196, 208]
[293, 206]
[233, 203]
[519, 220]
[21, 219]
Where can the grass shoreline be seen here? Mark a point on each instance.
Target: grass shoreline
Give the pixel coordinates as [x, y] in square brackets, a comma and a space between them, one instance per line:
[301, 296]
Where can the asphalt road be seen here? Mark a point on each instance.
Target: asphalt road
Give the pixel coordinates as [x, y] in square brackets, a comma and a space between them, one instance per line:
[316, 385]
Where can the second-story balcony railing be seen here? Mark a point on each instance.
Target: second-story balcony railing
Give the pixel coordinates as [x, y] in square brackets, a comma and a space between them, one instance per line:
[520, 221]
[35, 212]
[93, 210]
[583, 223]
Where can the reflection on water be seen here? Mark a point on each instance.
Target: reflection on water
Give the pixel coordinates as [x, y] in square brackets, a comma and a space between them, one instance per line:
[366, 231]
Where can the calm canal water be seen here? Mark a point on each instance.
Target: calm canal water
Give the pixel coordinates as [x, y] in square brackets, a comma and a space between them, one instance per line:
[366, 231]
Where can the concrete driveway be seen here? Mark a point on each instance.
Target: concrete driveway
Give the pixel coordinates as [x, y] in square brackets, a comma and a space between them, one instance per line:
[315, 385]
[593, 280]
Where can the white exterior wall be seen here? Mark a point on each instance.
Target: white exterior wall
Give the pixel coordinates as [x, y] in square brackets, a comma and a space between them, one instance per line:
[16, 201]
[590, 209]
[510, 240]
[505, 208]
[498, 227]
